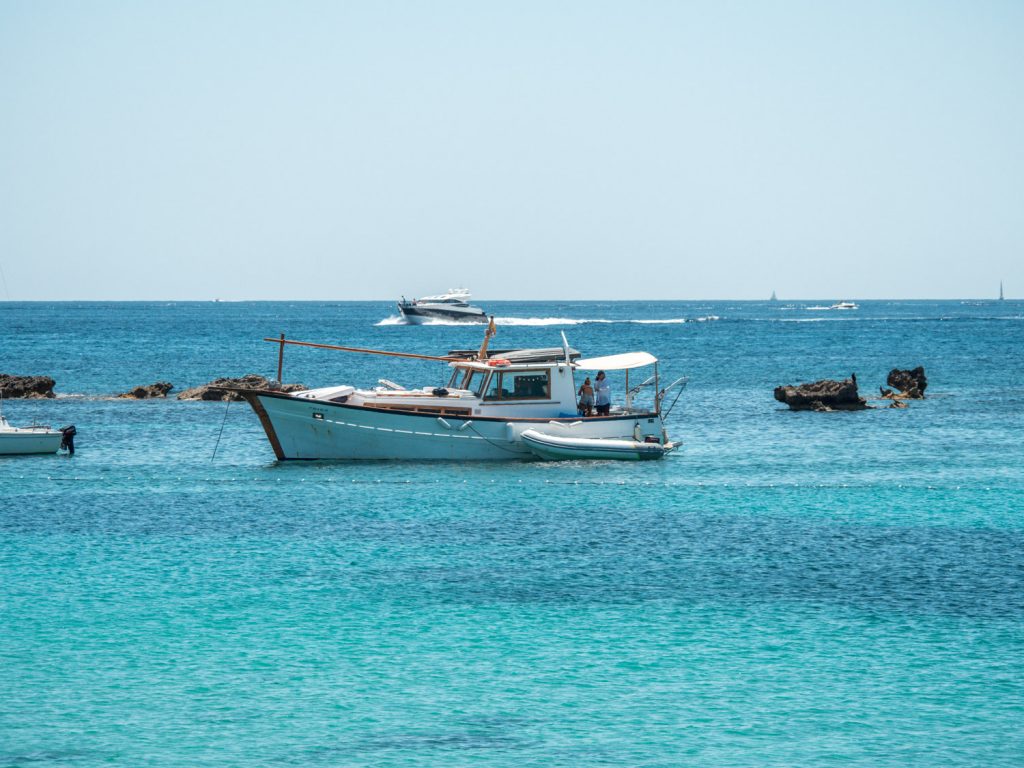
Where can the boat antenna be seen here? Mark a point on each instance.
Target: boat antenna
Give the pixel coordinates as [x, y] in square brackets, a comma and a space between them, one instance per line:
[491, 330]
[565, 347]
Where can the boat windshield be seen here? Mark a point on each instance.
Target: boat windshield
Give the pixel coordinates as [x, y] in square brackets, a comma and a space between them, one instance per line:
[467, 378]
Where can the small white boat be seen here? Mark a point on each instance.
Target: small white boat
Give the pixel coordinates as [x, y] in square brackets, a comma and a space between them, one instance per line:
[16, 441]
[844, 305]
[557, 448]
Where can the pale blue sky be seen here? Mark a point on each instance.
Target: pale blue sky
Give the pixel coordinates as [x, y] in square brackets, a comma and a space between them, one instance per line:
[541, 150]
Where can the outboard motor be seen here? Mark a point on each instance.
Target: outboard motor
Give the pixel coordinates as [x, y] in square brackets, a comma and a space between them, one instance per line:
[68, 439]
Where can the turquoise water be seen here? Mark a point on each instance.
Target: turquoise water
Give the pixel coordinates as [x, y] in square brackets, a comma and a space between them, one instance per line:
[787, 589]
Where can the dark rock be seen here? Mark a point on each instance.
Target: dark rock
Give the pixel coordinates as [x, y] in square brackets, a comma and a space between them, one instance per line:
[824, 395]
[216, 390]
[910, 383]
[33, 387]
[898, 404]
[159, 389]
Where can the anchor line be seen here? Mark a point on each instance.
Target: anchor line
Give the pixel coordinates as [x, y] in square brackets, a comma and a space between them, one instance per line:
[223, 421]
[487, 440]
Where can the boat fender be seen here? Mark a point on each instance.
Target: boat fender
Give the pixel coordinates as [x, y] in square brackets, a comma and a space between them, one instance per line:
[443, 423]
[465, 425]
[636, 432]
[439, 392]
[498, 362]
[510, 432]
[68, 438]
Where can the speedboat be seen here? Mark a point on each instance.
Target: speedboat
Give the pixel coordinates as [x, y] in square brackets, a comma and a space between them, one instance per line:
[26, 440]
[483, 412]
[844, 305]
[451, 306]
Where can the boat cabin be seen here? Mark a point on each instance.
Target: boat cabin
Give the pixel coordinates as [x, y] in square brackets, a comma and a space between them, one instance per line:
[496, 388]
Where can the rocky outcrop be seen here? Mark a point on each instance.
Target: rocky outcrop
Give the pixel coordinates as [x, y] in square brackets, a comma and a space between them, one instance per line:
[910, 383]
[216, 390]
[35, 387]
[824, 395]
[148, 391]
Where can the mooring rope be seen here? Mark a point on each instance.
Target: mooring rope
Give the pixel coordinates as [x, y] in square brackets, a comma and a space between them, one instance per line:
[223, 421]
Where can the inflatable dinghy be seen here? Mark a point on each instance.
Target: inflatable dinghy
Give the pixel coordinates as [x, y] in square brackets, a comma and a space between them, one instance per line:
[560, 448]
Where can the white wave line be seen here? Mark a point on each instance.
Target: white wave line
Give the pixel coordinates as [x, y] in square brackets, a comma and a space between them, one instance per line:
[546, 321]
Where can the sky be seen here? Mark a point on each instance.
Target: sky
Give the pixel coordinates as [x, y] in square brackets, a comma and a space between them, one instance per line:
[527, 150]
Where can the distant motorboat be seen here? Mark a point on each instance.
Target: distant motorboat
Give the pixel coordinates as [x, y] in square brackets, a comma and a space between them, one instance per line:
[844, 305]
[452, 306]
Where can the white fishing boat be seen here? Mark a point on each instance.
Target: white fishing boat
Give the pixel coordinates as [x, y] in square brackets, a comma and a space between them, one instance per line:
[452, 306]
[844, 305]
[481, 414]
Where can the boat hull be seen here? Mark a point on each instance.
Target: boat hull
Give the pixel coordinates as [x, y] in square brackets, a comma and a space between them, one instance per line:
[303, 429]
[25, 442]
[419, 315]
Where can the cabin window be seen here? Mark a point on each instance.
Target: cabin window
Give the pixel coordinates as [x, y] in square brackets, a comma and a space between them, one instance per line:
[467, 378]
[520, 385]
[471, 380]
[476, 382]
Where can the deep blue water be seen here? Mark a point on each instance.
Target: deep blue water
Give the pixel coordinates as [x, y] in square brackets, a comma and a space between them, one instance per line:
[787, 589]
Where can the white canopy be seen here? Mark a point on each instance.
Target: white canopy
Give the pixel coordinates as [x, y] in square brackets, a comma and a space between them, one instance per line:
[617, 362]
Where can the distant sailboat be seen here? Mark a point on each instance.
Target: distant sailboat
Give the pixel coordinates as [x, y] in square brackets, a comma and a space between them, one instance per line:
[1001, 291]
[774, 297]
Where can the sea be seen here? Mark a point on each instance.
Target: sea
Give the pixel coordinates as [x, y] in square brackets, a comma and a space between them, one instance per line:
[785, 589]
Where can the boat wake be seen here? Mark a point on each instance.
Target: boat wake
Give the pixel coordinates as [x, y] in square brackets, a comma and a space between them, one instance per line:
[546, 321]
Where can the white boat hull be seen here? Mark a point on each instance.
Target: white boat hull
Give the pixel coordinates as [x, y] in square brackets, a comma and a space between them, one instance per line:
[18, 442]
[304, 429]
[421, 315]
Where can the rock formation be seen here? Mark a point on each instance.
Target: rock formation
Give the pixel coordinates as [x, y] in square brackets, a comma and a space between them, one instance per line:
[910, 383]
[215, 390]
[159, 389]
[36, 387]
[824, 395]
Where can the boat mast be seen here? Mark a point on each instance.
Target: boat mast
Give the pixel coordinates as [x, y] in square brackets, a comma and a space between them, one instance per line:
[491, 330]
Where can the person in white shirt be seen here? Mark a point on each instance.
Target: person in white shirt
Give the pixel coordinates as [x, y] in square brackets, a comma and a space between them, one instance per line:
[602, 395]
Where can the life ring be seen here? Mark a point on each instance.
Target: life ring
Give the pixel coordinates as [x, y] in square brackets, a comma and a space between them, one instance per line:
[498, 362]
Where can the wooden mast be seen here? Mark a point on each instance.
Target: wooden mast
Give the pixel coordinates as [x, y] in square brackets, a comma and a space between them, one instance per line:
[491, 330]
[280, 360]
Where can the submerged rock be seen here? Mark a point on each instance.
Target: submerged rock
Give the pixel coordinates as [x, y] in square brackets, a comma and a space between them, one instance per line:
[30, 387]
[824, 395]
[910, 383]
[215, 390]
